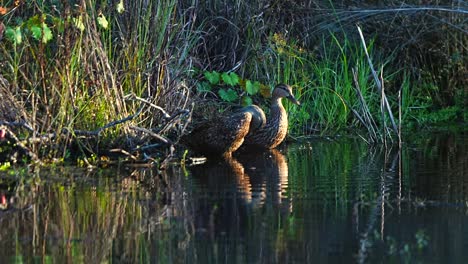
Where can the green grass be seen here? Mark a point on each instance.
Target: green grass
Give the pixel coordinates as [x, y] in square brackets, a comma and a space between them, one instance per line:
[325, 86]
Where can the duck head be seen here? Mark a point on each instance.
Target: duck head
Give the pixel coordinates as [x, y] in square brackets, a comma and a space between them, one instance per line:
[284, 90]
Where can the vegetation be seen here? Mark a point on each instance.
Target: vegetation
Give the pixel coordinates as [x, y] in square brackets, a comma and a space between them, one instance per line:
[121, 77]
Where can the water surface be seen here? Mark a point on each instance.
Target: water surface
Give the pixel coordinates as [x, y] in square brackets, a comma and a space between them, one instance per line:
[321, 201]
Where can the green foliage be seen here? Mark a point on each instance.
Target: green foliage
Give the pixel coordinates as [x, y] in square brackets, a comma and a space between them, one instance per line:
[78, 23]
[5, 166]
[35, 25]
[120, 7]
[14, 35]
[420, 108]
[102, 21]
[230, 87]
[204, 87]
[39, 29]
[252, 88]
[231, 78]
[228, 95]
[213, 77]
[246, 100]
[325, 85]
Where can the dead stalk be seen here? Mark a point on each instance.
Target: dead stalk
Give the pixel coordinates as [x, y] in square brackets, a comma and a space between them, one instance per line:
[377, 81]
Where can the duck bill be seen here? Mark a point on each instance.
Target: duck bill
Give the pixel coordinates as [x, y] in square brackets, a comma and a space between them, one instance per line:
[293, 99]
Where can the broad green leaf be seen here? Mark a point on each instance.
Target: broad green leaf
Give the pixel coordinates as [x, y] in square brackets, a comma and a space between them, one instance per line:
[252, 87]
[46, 33]
[212, 77]
[14, 35]
[203, 87]
[41, 31]
[102, 21]
[120, 7]
[228, 95]
[246, 100]
[36, 32]
[231, 79]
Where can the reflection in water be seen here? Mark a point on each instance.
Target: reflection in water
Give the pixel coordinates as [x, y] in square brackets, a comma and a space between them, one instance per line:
[325, 202]
[245, 185]
[250, 187]
[256, 177]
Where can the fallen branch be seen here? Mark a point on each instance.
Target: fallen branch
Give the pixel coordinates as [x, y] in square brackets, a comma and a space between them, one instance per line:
[153, 134]
[17, 124]
[124, 152]
[133, 96]
[108, 125]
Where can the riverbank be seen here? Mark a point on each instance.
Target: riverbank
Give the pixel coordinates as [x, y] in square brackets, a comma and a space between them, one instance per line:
[125, 80]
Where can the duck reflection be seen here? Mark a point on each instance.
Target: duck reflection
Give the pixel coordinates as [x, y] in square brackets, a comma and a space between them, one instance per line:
[268, 173]
[256, 178]
[231, 190]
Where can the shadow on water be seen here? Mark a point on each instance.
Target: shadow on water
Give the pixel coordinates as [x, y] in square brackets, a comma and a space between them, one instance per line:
[317, 202]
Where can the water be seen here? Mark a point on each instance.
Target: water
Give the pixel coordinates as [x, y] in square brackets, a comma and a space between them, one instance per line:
[324, 201]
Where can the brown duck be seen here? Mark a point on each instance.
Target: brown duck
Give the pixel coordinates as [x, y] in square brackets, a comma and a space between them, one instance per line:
[273, 132]
[249, 127]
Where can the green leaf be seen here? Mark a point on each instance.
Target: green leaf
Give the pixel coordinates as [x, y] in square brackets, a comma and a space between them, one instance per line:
[203, 87]
[212, 77]
[41, 32]
[47, 33]
[231, 79]
[5, 166]
[120, 7]
[14, 35]
[102, 21]
[59, 24]
[78, 22]
[36, 32]
[252, 88]
[228, 95]
[246, 100]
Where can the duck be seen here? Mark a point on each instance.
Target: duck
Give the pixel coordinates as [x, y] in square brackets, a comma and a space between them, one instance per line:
[219, 136]
[275, 128]
[248, 127]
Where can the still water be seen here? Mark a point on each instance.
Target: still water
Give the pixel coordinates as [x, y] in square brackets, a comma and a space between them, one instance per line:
[322, 201]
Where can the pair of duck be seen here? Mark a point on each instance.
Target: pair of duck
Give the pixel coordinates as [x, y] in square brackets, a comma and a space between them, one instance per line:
[247, 128]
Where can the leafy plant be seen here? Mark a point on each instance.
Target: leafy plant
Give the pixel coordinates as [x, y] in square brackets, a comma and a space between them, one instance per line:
[228, 95]
[252, 88]
[231, 87]
[213, 77]
[39, 28]
[35, 25]
[231, 78]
